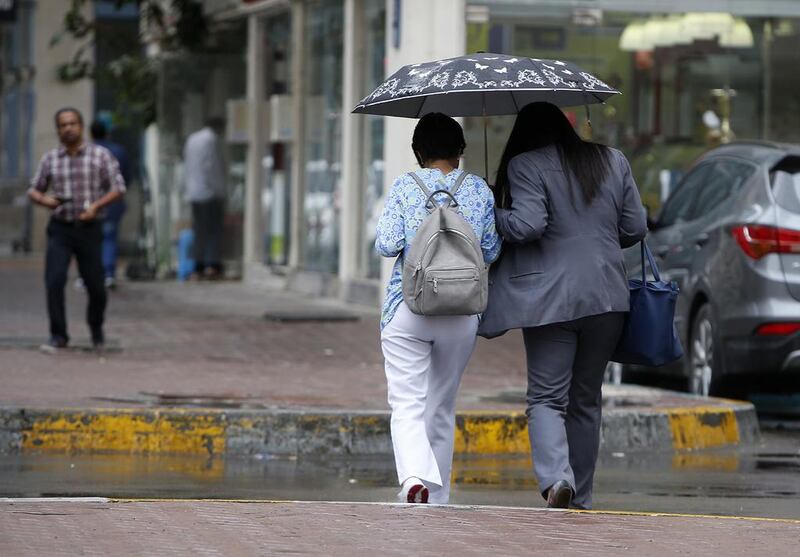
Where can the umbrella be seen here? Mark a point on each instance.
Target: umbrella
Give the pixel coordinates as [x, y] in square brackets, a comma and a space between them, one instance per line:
[482, 84]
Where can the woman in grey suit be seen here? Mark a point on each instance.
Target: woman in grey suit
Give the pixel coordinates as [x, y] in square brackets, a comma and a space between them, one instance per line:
[566, 208]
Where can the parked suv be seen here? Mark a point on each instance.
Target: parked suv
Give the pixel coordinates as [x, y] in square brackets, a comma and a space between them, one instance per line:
[729, 234]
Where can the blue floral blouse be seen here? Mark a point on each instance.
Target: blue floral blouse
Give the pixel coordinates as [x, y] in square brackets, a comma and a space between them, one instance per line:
[405, 211]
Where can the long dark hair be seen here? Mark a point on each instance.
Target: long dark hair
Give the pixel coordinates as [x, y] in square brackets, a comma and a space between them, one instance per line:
[542, 124]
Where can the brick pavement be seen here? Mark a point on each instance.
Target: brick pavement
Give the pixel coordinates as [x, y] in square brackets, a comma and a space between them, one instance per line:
[29, 528]
[209, 339]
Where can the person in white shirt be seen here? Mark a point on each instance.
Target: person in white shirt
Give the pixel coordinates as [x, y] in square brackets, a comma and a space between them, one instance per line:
[205, 190]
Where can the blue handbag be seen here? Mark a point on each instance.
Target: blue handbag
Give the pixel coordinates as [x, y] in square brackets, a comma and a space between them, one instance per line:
[649, 337]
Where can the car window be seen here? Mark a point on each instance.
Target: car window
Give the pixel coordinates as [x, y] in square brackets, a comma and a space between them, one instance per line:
[679, 204]
[785, 178]
[724, 179]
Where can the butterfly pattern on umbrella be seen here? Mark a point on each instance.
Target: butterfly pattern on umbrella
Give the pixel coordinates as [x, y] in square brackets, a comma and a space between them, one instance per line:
[485, 73]
[483, 84]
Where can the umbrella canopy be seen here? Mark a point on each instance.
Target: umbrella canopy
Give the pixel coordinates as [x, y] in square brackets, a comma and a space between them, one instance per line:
[482, 85]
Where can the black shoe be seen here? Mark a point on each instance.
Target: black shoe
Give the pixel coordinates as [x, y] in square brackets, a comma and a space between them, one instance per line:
[98, 339]
[559, 496]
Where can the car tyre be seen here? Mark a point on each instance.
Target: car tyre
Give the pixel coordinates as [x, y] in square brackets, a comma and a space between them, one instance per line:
[703, 360]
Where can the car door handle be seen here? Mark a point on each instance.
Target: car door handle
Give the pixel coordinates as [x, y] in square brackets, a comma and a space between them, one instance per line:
[701, 240]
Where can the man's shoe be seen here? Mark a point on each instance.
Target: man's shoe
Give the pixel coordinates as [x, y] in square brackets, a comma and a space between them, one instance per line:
[98, 340]
[53, 345]
[111, 283]
[559, 496]
[413, 491]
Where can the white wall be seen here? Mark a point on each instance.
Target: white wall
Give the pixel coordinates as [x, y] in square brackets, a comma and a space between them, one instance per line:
[52, 94]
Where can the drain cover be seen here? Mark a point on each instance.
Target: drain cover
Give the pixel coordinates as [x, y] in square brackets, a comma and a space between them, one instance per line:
[519, 397]
[309, 315]
[227, 401]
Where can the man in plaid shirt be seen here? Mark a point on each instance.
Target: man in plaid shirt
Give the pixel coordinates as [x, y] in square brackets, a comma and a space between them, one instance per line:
[75, 181]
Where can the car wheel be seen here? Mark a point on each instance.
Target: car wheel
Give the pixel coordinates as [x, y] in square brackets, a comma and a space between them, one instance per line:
[703, 361]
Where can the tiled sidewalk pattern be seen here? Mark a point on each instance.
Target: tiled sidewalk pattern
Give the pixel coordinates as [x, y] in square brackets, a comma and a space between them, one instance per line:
[351, 529]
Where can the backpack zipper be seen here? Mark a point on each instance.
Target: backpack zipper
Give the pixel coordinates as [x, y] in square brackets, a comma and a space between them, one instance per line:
[435, 280]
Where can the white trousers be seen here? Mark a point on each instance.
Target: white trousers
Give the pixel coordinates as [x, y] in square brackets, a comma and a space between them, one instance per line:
[425, 359]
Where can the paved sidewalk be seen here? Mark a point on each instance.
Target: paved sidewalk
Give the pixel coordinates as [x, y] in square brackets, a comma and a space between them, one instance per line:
[196, 369]
[210, 340]
[29, 528]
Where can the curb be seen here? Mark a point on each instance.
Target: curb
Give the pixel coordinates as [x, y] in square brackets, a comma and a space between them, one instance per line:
[157, 431]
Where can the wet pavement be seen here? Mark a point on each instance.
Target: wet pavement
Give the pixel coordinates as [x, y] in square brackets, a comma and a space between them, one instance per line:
[210, 345]
[759, 481]
[217, 343]
[224, 345]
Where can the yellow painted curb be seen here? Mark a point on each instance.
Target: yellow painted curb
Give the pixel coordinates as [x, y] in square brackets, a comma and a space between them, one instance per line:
[484, 433]
[703, 427]
[120, 432]
[220, 432]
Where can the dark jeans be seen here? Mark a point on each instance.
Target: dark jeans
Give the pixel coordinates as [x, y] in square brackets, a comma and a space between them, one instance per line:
[84, 241]
[207, 219]
[111, 238]
[566, 364]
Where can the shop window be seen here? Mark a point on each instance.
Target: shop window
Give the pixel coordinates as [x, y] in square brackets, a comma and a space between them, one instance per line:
[323, 116]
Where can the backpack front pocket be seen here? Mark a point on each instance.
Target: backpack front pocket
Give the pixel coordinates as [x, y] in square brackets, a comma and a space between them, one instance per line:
[451, 292]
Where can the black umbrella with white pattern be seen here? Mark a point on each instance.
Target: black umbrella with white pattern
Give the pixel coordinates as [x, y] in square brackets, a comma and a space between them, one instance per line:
[483, 84]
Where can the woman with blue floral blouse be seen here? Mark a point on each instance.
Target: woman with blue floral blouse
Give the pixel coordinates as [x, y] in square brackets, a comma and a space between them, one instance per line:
[425, 356]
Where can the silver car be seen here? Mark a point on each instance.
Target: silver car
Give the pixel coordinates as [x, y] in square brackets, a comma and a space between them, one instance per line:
[729, 234]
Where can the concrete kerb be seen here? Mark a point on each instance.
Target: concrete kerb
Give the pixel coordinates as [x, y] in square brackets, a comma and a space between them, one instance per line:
[720, 423]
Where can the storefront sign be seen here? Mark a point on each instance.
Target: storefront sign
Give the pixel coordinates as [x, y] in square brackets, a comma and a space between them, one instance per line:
[8, 10]
[587, 16]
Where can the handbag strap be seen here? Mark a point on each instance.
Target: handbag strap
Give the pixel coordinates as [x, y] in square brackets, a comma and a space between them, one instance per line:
[646, 253]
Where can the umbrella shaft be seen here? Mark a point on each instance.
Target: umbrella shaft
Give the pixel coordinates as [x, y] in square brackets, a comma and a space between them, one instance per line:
[485, 143]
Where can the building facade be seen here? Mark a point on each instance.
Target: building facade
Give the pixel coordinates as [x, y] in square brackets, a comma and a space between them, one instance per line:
[31, 91]
[307, 178]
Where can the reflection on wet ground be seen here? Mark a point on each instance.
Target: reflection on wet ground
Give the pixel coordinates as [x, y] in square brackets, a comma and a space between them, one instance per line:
[763, 480]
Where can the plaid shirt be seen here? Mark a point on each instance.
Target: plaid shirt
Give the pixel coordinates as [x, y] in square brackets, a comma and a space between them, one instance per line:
[80, 179]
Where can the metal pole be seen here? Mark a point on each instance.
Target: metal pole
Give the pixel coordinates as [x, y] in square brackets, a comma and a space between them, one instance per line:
[766, 61]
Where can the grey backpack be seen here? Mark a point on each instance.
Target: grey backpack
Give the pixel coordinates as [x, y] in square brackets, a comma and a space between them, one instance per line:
[444, 272]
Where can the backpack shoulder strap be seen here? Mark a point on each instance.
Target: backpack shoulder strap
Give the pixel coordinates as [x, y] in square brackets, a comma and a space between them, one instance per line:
[459, 181]
[421, 184]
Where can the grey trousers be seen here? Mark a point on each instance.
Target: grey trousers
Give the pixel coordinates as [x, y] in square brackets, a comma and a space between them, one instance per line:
[566, 363]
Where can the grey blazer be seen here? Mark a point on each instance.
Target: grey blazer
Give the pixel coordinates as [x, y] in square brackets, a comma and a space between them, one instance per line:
[561, 259]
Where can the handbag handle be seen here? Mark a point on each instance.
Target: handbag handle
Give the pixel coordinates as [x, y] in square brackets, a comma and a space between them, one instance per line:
[646, 253]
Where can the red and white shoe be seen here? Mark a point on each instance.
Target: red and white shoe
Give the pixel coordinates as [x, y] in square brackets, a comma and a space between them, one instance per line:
[413, 491]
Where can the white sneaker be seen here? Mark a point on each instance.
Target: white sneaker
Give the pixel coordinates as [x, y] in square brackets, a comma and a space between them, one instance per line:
[79, 285]
[413, 491]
